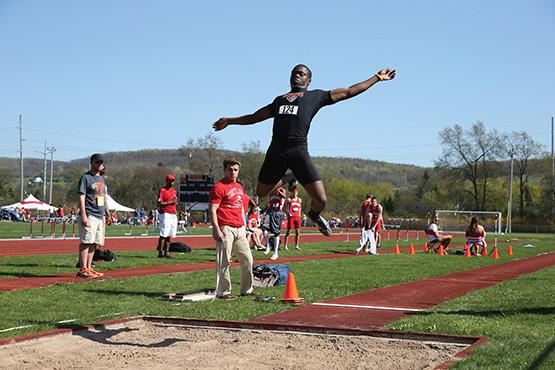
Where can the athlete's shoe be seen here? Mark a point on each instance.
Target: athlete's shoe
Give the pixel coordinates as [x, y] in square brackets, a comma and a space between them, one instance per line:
[85, 274]
[96, 273]
[286, 248]
[297, 248]
[274, 257]
[323, 226]
[267, 251]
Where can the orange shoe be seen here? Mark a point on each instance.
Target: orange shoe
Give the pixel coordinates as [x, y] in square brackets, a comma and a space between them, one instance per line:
[96, 273]
[85, 274]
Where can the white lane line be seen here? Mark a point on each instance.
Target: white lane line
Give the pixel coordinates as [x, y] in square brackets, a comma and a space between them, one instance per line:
[369, 307]
[66, 321]
[15, 328]
[111, 314]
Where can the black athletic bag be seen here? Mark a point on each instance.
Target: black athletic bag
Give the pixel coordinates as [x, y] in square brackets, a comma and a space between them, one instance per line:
[104, 255]
[179, 247]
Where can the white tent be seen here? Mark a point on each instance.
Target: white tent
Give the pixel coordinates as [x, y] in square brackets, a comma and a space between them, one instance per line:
[115, 206]
[32, 203]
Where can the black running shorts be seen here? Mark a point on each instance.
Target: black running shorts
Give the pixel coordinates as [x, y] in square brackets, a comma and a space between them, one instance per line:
[281, 157]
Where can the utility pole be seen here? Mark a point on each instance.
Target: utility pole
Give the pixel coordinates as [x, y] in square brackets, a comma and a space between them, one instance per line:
[21, 157]
[510, 208]
[552, 175]
[44, 173]
[51, 150]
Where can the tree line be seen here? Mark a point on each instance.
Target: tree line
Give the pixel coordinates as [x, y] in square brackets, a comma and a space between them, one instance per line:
[472, 173]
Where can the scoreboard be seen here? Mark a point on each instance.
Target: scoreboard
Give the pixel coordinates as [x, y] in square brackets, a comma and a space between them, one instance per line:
[195, 188]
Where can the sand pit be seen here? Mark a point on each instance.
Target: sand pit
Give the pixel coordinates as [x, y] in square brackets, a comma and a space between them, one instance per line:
[142, 344]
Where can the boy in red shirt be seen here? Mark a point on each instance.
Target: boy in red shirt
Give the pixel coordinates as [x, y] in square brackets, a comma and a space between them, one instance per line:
[294, 210]
[167, 203]
[227, 216]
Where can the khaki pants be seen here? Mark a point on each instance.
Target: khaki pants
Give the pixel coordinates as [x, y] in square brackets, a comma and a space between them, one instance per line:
[235, 241]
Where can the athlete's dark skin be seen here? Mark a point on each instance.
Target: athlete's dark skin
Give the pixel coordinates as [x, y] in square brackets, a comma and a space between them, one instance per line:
[301, 77]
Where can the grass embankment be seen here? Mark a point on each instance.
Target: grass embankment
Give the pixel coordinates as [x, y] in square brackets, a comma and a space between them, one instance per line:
[517, 315]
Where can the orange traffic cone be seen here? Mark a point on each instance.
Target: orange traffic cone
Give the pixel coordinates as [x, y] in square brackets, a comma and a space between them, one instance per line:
[426, 248]
[291, 295]
[484, 251]
[495, 253]
[510, 250]
[396, 249]
[411, 249]
[467, 251]
[441, 251]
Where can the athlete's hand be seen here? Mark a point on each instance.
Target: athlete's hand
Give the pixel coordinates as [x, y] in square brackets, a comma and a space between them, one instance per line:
[220, 124]
[387, 74]
[85, 221]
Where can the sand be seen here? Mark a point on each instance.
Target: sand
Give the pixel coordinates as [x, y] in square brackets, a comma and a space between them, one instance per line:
[146, 345]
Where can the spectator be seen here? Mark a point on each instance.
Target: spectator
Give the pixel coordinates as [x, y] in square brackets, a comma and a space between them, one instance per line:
[254, 233]
[167, 203]
[293, 206]
[227, 217]
[475, 236]
[435, 238]
[92, 193]
[273, 217]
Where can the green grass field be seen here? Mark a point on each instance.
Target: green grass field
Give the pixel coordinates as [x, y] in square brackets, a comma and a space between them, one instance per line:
[518, 316]
[16, 230]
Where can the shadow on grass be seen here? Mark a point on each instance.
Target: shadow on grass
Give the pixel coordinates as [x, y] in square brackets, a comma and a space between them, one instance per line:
[492, 313]
[542, 357]
[27, 274]
[124, 292]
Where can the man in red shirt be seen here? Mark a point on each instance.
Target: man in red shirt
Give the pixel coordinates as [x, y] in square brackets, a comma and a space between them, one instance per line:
[167, 203]
[377, 218]
[227, 216]
[294, 210]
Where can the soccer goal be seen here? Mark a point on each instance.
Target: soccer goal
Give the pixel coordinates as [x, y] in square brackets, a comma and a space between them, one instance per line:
[452, 220]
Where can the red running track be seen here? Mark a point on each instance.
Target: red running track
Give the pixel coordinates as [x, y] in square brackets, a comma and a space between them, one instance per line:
[397, 301]
[41, 281]
[31, 247]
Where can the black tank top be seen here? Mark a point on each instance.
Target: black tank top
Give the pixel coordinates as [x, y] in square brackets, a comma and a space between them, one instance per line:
[293, 113]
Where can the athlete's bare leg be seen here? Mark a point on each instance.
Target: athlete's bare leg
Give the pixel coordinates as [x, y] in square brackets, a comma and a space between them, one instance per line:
[317, 193]
[318, 201]
[297, 238]
[263, 190]
[286, 239]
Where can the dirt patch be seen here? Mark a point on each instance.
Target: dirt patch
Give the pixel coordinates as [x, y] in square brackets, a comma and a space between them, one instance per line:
[140, 344]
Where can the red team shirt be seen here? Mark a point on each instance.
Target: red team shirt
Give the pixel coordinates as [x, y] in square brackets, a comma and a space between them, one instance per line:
[230, 196]
[295, 207]
[276, 202]
[364, 208]
[376, 214]
[294, 213]
[167, 195]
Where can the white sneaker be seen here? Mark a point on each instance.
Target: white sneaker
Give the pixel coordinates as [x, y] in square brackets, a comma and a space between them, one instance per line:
[267, 250]
[297, 248]
[286, 248]
[274, 257]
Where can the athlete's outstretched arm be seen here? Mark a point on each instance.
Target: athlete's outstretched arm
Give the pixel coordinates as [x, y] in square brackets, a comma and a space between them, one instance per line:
[249, 119]
[348, 92]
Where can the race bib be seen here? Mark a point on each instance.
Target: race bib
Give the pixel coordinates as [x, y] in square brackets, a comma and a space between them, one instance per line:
[99, 200]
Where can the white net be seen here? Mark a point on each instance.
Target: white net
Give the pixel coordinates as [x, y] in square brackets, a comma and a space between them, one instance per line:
[458, 221]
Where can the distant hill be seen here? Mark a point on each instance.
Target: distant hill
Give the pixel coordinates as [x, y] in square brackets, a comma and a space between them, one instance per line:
[360, 170]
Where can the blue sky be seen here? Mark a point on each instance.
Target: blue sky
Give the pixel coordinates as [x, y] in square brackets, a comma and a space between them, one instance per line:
[102, 76]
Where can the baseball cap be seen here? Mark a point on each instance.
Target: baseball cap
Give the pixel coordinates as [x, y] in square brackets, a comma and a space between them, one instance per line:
[97, 158]
[170, 177]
